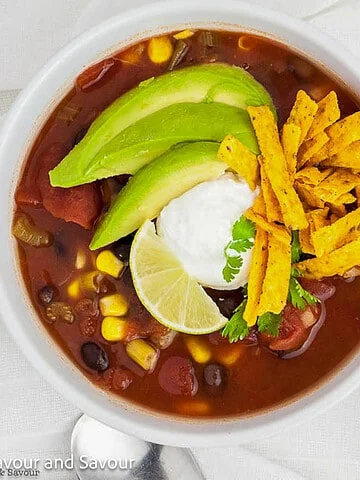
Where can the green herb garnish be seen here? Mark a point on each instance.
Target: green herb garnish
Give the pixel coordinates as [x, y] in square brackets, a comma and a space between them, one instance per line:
[269, 323]
[243, 233]
[295, 247]
[237, 328]
[298, 296]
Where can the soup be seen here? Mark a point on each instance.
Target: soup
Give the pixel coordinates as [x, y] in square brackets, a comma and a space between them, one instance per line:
[236, 299]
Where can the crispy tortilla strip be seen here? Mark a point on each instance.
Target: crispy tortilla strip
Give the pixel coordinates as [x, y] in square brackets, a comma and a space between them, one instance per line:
[276, 281]
[328, 113]
[272, 206]
[276, 167]
[307, 195]
[290, 141]
[357, 193]
[338, 210]
[312, 175]
[331, 237]
[318, 219]
[303, 113]
[256, 275]
[310, 147]
[240, 159]
[337, 184]
[305, 241]
[336, 262]
[342, 134]
[344, 199]
[347, 158]
[272, 228]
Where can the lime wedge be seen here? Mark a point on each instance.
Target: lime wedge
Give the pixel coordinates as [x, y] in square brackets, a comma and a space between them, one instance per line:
[169, 294]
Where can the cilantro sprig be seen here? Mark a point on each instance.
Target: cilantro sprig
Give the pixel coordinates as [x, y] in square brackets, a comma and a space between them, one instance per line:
[243, 232]
[269, 323]
[298, 296]
[237, 328]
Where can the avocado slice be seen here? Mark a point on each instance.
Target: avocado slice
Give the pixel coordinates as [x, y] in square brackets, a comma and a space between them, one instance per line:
[219, 83]
[153, 135]
[153, 186]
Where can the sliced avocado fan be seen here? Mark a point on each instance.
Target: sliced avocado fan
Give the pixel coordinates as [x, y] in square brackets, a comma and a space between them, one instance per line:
[154, 186]
[213, 83]
[153, 135]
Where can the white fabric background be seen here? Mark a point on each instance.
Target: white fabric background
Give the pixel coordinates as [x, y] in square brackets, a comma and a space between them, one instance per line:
[35, 422]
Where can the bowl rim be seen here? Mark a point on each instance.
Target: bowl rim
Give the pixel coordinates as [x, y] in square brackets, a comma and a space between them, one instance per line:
[158, 428]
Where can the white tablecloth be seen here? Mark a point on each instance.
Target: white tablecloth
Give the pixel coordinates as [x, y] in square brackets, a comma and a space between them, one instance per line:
[35, 422]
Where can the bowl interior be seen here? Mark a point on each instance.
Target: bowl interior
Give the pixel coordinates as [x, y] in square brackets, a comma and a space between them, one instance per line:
[24, 121]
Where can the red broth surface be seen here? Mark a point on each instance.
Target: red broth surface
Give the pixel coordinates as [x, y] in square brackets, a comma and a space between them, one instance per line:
[252, 376]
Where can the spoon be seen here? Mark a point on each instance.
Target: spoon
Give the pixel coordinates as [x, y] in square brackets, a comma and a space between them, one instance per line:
[101, 452]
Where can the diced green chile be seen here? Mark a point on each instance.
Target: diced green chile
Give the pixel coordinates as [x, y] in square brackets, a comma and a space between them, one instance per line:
[154, 186]
[205, 83]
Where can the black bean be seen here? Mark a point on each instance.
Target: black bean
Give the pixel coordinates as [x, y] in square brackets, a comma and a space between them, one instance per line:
[46, 295]
[122, 248]
[215, 378]
[227, 301]
[95, 357]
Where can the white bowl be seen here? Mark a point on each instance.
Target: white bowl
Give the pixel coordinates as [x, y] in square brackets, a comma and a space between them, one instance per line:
[22, 125]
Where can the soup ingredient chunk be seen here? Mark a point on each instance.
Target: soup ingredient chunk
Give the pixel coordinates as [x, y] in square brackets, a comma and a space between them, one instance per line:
[197, 226]
[95, 357]
[154, 186]
[25, 230]
[219, 83]
[59, 201]
[177, 376]
[165, 288]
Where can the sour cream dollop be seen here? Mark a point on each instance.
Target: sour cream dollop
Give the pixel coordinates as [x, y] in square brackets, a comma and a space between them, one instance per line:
[198, 225]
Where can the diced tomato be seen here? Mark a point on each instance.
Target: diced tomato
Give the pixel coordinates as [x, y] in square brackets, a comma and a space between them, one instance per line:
[24, 196]
[294, 328]
[323, 289]
[80, 205]
[95, 73]
[177, 377]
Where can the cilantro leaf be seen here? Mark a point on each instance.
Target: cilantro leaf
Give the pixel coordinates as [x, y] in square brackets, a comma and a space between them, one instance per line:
[243, 232]
[269, 323]
[300, 297]
[237, 328]
[295, 247]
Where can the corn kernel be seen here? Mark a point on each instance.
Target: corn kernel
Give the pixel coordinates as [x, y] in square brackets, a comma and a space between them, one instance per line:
[229, 355]
[160, 49]
[107, 262]
[73, 289]
[80, 260]
[90, 281]
[113, 329]
[142, 353]
[183, 35]
[114, 305]
[199, 349]
[133, 55]
[193, 407]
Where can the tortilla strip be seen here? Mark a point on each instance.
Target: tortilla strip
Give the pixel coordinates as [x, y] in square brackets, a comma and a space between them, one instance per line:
[312, 175]
[290, 141]
[318, 218]
[303, 113]
[306, 193]
[276, 167]
[338, 210]
[342, 134]
[256, 275]
[327, 114]
[344, 199]
[275, 287]
[305, 241]
[310, 147]
[338, 183]
[336, 262]
[272, 206]
[347, 158]
[333, 236]
[357, 193]
[240, 159]
[260, 221]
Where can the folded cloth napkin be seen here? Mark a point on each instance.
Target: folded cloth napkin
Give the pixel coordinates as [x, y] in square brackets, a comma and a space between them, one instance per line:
[36, 422]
